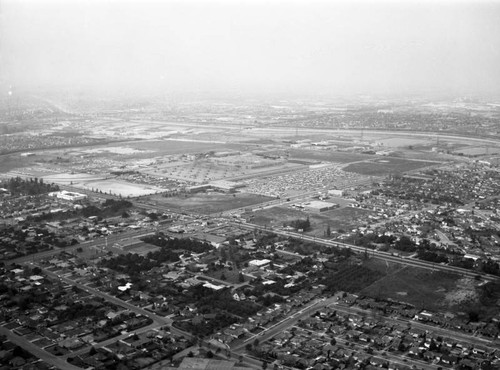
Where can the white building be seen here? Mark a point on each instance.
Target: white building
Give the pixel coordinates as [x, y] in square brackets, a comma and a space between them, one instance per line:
[259, 263]
[319, 206]
[336, 192]
[68, 195]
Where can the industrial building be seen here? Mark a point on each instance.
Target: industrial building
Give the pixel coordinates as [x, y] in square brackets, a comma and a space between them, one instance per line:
[319, 206]
[68, 195]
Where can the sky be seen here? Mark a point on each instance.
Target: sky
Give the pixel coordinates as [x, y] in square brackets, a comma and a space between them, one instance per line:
[269, 46]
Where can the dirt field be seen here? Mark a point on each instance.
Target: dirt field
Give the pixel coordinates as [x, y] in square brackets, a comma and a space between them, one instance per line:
[385, 166]
[208, 203]
[346, 218]
[420, 287]
[342, 218]
[330, 156]
[276, 216]
[179, 146]
[120, 187]
[14, 161]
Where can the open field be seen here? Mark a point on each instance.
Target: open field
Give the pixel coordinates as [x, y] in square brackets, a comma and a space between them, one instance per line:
[231, 276]
[143, 248]
[341, 218]
[420, 287]
[13, 161]
[119, 188]
[477, 151]
[208, 203]
[385, 166]
[421, 153]
[276, 216]
[113, 149]
[396, 142]
[327, 155]
[72, 178]
[346, 218]
[167, 147]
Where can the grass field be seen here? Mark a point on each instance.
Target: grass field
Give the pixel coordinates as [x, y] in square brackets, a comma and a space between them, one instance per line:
[208, 203]
[385, 166]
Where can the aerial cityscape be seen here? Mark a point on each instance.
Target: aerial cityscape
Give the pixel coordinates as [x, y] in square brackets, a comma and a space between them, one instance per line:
[216, 185]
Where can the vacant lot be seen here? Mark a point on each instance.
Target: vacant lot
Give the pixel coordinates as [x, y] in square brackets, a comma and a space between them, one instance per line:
[420, 287]
[330, 156]
[122, 188]
[231, 276]
[276, 216]
[345, 218]
[9, 162]
[208, 203]
[386, 165]
[180, 146]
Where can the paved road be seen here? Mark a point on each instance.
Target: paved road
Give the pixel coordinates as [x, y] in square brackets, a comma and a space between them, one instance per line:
[100, 242]
[159, 320]
[37, 351]
[113, 340]
[286, 323]
[430, 328]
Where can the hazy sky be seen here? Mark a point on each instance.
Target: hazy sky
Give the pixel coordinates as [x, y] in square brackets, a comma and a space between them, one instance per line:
[360, 47]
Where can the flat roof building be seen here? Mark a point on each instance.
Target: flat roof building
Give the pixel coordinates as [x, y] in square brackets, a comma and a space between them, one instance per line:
[319, 206]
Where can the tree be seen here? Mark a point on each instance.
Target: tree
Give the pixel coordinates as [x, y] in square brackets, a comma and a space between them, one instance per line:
[241, 278]
[328, 231]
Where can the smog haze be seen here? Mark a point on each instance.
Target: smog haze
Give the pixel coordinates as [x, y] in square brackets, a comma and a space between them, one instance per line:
[277, 46]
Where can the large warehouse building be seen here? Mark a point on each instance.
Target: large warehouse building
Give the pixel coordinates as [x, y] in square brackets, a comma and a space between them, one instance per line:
[319, 206]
